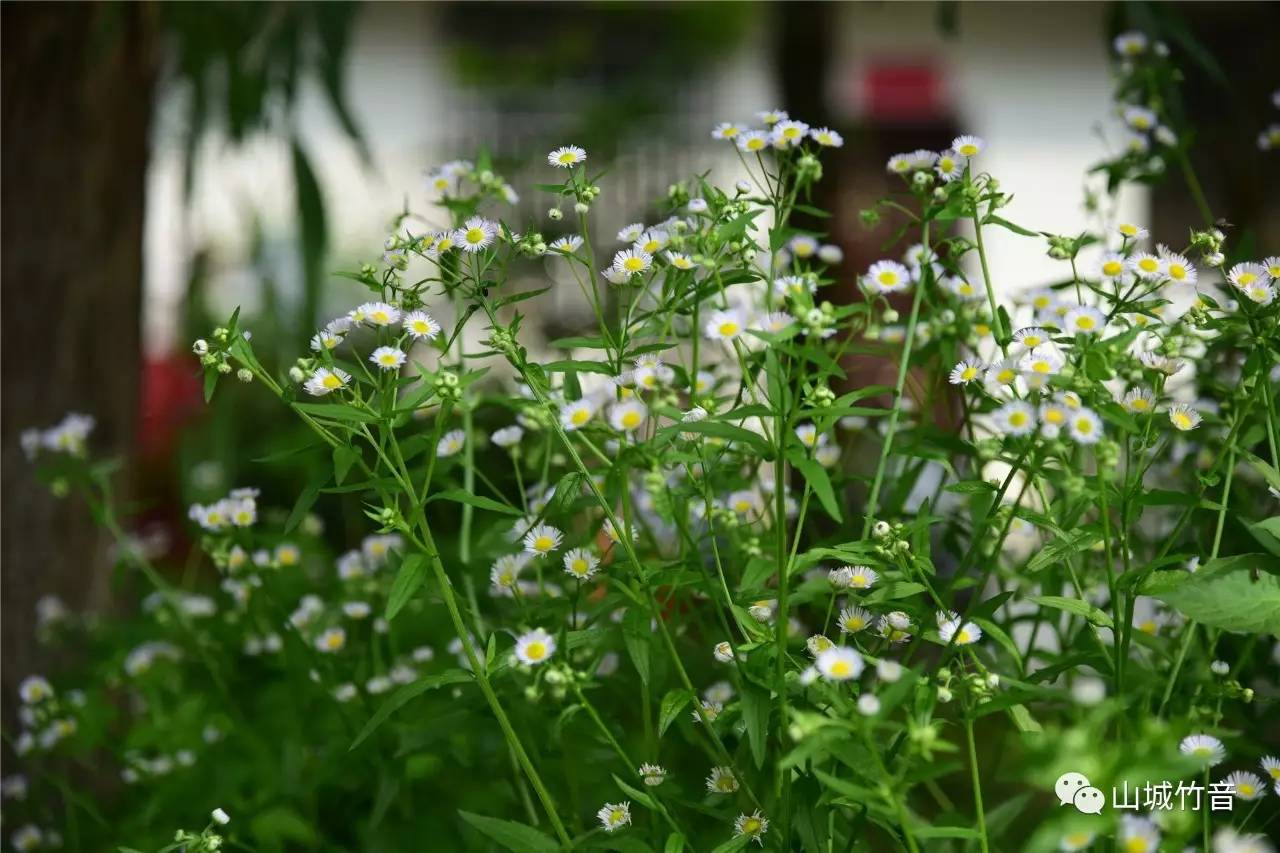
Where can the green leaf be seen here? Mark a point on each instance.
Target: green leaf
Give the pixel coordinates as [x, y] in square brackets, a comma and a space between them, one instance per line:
[464, 497]
[675, 843]
[413, 571]
[279, 824]
[306, 499]
[1070, 542]
[755, 713]
[337, 412]
[672, 704]
[636, 633]
[738, 842]
[1074, 605]
[816, 476]
[1004, 223]
[635, 793]
[344, 456]
[518, 837]
[728, 432]
[1227, 596]
[404, 695]
[1267, 533]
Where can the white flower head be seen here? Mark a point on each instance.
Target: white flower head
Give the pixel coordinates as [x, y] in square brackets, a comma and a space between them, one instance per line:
[476, 234]
[580, 563]
[722, 781]
[420, 325]
[567, 156]
[968, 146]
[535, 647]
[451, 443]
[614, 816]
[1207, 748]
[542, 539]
[388, 358]
[840, 663]
[753, 826]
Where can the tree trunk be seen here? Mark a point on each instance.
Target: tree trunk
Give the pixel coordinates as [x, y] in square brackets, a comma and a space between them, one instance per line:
[78, 83]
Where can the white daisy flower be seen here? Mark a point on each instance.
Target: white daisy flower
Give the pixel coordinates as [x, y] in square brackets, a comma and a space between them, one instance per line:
[535, 647]
[567, 245]
[325, 380]
[724, 325]
[762, 611]
[653, 774]
[1042, 361]
[899, 164]
[388, 358]
[1032, 337]
[723, 652]
[1260, 292]
[722, 781]
[1138, 835]
[614, 816]
[1085, 319]
[566, 157]
[1162, 364]
[378, 314]
[854, 619]
[476, 234]
[631, 233]
[826, 137]
[753, 826]
[1112, 266]
[680, 261]
[1139, 401]
[356, 609]
[1084, 426]
[1272, 266]
[1207, 748]
[325, 340]
[772, 117]
[508, 436]
[1271, 766]
[789, 133]
[505, 573]
[725, 130]
[803, 246]
[949, 166]
[952, 629]
[840, 663]
[1184, 417]
[34, 689]
[889, 671]
[627, 415]
[629, 262]
[1015, 417]
[542, 539]
[887, 277]
[1146, 265]
[331, 640]
[1131, 232]
[451, 443]
[1246, 786]
[1177, 268]
[817, 644]
[576, 414]
[1130, 44]
[808, 435]
[420, 325]
[1139, 118]
[580, 563]
[753, 141]
[968, 146]
[861, 577]
[652, 241]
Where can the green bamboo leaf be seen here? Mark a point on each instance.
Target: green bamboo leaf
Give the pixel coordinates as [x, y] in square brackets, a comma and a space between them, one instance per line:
[517, 837]
[404, 695]
[413, 571]
[636, 634]
[672, 704]
[816, 476]
[477, 501]
[1076, 606]
[755, 713]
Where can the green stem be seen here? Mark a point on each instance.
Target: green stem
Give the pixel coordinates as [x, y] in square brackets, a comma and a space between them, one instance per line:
[977, 782]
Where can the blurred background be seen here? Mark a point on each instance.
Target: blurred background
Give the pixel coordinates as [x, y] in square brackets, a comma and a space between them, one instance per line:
[164, 163]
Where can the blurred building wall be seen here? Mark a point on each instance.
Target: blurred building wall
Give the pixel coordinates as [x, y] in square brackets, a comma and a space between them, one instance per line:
[1032, 79]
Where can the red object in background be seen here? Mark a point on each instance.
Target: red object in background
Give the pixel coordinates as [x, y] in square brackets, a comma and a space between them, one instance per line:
[171, 395]
[901, 91]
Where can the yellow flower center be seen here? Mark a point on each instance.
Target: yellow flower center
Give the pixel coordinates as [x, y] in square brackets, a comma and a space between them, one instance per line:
[630, 420]
[1018, 419]
[579, 417]
[331, 381]
[1112, 268]
[1177, 272]
[1084, 425]
[963, 637]
[1148, 264]
[1085, 322]
[1182, 421]
[1054, 416]
[1137, 844]
[1246, 789]
[755, 144]
[968, 150]
[568, 158]
[841, 669]
[579, 567]
[1006, 376]
[982, 329]
[475, 235]
[855, 623]
[1246, 278]
[728, 328]
[633, 264]
[888, 278]
[1128, 230]
[969, 374]
[543, 543]
[387, 359]
[537, 650]
[1139, 404]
